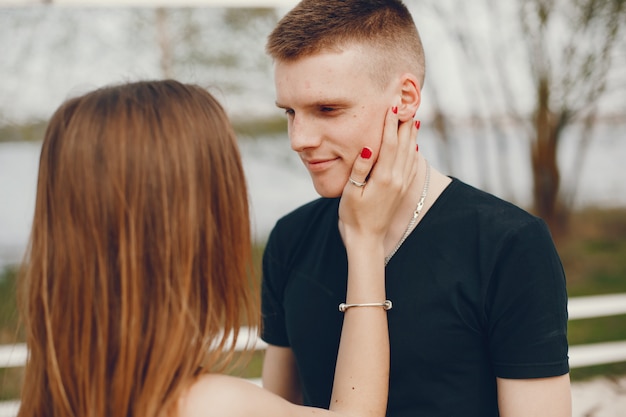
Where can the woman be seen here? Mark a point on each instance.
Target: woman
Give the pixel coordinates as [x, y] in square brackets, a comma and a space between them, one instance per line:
[139, 262]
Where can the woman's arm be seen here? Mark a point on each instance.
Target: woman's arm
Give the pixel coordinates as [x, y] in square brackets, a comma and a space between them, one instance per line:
[364, 217]
[362, 372]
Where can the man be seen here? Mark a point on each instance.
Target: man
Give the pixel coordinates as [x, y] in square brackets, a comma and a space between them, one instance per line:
[479, 318]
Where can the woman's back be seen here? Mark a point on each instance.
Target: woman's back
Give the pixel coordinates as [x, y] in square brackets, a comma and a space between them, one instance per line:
[129, 278]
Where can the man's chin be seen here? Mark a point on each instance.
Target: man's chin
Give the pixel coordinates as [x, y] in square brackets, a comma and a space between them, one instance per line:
[330, 183]
[328, 192]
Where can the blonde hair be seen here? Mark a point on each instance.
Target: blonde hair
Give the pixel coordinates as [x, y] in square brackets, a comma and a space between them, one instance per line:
[386, 26]
[139, 262]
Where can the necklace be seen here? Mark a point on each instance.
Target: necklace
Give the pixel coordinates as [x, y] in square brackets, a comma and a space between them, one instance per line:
[416, 214]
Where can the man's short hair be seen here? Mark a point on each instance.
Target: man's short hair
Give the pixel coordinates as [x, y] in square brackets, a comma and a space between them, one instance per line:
[315, 26]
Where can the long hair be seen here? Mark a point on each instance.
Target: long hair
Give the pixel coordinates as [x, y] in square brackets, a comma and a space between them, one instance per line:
[384, 26]
[139, 262]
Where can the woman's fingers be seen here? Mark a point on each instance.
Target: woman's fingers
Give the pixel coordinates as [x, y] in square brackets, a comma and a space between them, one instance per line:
[361, 168]
[409, 151]
[389, 143]
[397, 159]
[405, 155]
[354, 208]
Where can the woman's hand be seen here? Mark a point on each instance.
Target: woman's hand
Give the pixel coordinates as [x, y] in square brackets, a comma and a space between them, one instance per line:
[367, 210]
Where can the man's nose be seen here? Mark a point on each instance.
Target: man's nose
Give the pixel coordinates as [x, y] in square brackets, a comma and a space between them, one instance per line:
[302, 134]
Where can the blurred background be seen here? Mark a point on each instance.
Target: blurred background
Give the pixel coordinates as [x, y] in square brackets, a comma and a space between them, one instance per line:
[523, 98]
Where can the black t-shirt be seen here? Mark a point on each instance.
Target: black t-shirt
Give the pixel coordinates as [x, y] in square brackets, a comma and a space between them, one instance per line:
[478, 291]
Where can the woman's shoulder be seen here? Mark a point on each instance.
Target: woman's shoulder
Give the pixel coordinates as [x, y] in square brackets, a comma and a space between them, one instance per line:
[215, 395]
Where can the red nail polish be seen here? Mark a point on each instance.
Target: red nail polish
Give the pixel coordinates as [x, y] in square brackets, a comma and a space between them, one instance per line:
[417, 124]
[366, 153]
[394, 109]
[417, 147]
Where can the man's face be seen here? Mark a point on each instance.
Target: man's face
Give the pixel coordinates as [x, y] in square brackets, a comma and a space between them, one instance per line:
[334, 108]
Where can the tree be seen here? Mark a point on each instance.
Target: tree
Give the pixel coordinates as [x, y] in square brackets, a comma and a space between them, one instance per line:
[569, 81]
[544, 66]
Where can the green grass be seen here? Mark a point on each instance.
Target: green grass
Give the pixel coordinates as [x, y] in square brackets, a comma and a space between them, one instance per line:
[593, 255]
[32, 131]
[603, 329]
[252, 128]
[594, 258]
[244, 127]
[10, 378]
[594, 252]
[9, 331]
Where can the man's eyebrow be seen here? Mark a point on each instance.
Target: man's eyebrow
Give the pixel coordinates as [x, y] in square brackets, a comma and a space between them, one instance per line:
[327, 102]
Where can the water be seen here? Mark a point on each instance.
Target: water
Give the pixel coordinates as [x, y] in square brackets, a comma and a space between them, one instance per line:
[278, 182]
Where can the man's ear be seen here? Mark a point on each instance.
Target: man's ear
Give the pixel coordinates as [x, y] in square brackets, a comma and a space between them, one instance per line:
[411, 97]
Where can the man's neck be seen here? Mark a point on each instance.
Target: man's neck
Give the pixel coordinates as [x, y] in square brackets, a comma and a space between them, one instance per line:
[402, 220]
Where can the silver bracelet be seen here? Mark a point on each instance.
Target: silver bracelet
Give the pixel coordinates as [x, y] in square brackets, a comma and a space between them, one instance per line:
[386, 305]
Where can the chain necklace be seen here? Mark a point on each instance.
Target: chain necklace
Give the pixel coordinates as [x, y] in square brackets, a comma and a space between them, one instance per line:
[416, 214]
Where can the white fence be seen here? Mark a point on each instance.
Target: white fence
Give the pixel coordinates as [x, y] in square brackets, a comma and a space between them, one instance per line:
[579, 355]
[592, 307]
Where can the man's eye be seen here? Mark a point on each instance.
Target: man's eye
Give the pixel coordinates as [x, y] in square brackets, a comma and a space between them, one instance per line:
[327, 109]
[289, 112]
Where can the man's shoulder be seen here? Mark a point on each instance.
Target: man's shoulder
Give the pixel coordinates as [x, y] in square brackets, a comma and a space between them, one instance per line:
[480, 207]
[470, 196]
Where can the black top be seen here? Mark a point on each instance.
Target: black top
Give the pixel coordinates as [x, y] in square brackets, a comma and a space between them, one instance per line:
[478, 291]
